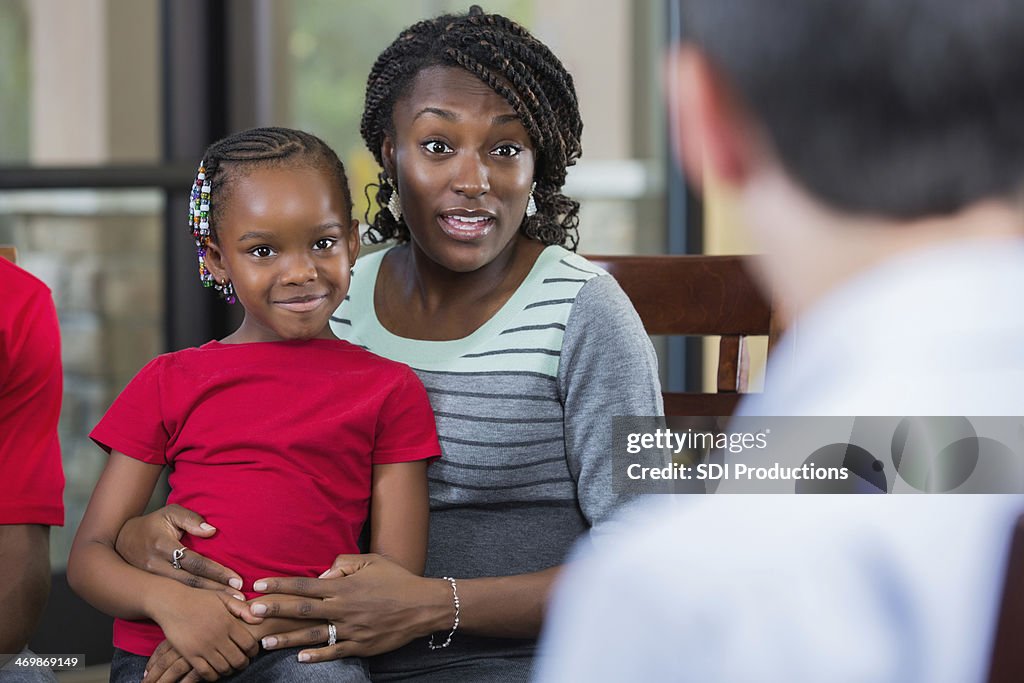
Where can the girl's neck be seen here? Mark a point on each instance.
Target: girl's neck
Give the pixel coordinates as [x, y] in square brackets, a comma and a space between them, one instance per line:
[248, 334]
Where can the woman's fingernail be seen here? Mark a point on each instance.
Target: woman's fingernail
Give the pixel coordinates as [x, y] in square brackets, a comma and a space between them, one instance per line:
[260, 586]
[303, 657]
[207, 527]
[145, 673]
[239, 596]
[258, 609]
[236, 584]
[269, 642]
[324, 574]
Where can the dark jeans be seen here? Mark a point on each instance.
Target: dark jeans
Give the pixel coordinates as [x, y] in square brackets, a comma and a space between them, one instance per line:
[275, 665]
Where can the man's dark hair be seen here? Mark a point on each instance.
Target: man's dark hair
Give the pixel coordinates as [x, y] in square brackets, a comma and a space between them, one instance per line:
[514, 64]
[903, 108]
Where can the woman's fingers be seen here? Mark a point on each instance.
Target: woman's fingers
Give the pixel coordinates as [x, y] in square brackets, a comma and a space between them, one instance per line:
[195, 570]
[149, 542]
[198, 571]
[188, 521]
[275, 605]
[344, 565]
[309, 587]
[329, 652]
[315, 634]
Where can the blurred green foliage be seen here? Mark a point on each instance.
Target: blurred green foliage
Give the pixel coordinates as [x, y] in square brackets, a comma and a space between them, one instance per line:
[14, 93]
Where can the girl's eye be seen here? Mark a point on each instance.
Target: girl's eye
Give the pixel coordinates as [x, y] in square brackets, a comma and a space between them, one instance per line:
[437, 147]
[262, 252]
[324, 243]
[507, 151]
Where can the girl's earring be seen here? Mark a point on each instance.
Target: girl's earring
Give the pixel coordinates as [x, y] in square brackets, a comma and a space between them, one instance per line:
[227, 290]
[395, 204]
[531, 206]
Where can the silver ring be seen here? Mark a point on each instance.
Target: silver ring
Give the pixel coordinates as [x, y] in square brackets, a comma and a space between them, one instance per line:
[176, 557]
[332, 634]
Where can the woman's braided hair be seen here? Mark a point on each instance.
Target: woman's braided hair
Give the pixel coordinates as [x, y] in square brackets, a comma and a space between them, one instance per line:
[515, 65]
[236, 153]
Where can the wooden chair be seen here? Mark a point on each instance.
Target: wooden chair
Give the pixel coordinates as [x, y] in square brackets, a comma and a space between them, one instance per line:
[698, 295]
[1007, 662]
[9, 253]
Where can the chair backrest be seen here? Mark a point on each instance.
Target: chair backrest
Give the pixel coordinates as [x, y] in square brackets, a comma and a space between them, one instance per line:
[9, 253]
[1007, 662]
[701, 296]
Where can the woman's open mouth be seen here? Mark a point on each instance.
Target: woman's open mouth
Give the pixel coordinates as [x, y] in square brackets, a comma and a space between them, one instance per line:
[466, 228]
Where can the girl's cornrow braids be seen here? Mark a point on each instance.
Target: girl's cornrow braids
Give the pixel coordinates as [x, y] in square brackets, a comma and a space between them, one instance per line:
[520, 69]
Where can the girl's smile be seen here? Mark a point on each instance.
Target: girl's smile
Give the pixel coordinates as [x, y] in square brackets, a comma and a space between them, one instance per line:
[303, 304]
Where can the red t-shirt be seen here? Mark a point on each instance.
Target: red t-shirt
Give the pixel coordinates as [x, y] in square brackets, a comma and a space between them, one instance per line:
[30, 395]
[273, 443]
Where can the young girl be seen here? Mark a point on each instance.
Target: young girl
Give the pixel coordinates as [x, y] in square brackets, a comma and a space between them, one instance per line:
[287, 438]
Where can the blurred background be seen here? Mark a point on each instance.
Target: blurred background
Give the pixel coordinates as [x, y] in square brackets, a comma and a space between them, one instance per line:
[107, 105]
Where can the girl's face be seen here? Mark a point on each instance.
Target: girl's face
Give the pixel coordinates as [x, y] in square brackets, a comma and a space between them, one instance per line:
[464, 164]
[286, 241]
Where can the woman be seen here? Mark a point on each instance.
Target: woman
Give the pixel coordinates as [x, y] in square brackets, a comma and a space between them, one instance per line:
[526, 350]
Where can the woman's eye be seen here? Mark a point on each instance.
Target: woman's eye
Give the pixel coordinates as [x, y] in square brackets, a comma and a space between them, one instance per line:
[437, 147]
[506, 151]
[262, 252]
[324, 243]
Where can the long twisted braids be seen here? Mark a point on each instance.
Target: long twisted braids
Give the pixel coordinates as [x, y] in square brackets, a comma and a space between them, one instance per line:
[515, 65]
[232, 155]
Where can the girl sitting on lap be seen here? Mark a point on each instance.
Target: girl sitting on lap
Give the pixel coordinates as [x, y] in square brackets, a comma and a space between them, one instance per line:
[286, 437]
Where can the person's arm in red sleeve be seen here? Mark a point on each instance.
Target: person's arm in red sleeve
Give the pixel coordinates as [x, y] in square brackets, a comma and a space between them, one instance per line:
[30, 468]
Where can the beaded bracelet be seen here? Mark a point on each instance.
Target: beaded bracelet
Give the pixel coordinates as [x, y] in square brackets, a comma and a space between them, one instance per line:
[455, 626]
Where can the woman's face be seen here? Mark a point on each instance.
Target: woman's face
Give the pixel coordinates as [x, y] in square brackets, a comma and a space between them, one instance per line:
[464, 164]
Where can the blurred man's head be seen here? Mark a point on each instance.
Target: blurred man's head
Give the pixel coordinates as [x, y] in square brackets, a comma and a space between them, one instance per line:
[860, 112]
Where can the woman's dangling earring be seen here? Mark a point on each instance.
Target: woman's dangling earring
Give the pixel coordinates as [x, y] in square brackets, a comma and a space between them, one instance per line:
[531, 206]
[395, 204]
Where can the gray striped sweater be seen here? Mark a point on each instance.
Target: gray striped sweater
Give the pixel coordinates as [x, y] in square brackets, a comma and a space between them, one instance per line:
[523, 407]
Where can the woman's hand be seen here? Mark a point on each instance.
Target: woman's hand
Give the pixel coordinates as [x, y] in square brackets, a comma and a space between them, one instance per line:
[375, 605]
[149, 541]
